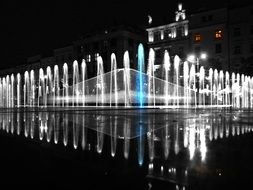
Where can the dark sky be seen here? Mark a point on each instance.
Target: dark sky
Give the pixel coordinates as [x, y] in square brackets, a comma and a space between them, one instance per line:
[32, 27]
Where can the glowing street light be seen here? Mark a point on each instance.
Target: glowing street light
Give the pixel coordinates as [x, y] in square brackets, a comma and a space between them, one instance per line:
[203, 56]
[191, 58]
[195, 59]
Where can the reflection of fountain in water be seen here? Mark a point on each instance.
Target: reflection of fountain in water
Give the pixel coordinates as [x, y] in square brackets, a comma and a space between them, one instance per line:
[127, 131]
[113, 131]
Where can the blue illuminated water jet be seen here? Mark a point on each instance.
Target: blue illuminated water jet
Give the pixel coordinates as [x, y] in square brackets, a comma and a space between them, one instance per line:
[140, 79]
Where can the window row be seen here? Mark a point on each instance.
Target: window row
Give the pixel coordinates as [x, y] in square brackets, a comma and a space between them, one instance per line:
[237, 31]
[168, 33]
[218, 35]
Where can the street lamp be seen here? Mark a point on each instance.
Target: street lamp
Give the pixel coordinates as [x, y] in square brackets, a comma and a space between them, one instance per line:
[195, 59]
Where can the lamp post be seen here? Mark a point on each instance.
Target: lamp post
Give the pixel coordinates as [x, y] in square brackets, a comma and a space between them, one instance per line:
[196, 59]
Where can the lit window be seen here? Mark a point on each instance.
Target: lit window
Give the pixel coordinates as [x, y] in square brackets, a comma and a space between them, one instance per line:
[96, 56]
[197, 37]
[88, 58]
[218, 34]
[150, 36]
[162, 35]
[186, 30]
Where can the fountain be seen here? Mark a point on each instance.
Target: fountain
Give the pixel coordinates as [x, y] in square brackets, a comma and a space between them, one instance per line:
[151, 78]
[176, 81]
[49, 87]
[174, 84]
[210, 78]
[186, 84]
[140, 79]
[84, 74]
[100, 88]
[202, 86]
[32, 89]
[26, 89]
[65, 85]
[113, 82]
[192, 84]
[127, 79]
[75, 87]
[167, 66]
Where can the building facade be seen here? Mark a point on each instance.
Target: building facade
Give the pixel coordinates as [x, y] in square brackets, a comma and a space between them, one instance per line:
[116, 40]
[225, 35]
[173, 37]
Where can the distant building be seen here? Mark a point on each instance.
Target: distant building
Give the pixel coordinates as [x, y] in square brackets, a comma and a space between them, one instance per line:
[209, 35]
[115, 40]
[225, 35]
[241, 38]
[173, 37]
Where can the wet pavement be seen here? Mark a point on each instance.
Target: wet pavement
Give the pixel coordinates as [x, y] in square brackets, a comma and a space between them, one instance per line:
[116, 149]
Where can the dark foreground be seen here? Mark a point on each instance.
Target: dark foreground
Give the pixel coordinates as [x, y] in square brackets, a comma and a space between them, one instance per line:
[126, 149]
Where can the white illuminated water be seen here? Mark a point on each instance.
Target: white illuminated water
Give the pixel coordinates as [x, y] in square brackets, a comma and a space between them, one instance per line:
[175, 84]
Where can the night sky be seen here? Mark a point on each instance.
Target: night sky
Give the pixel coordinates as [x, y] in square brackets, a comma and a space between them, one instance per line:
[37, 27]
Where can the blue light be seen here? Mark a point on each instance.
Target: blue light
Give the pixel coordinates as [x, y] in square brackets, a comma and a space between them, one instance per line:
[140, 79]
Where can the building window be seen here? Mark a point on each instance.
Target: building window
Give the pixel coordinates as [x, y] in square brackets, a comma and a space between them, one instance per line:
[150, 36]
[218, 34]
[197, 38]
[218, 48]
[157, 36]
[186, 30]
[237, 32]
[168, 33]
[180, 31]
[162, 34]
[237, 50]
[96, 56]
[88, 58]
